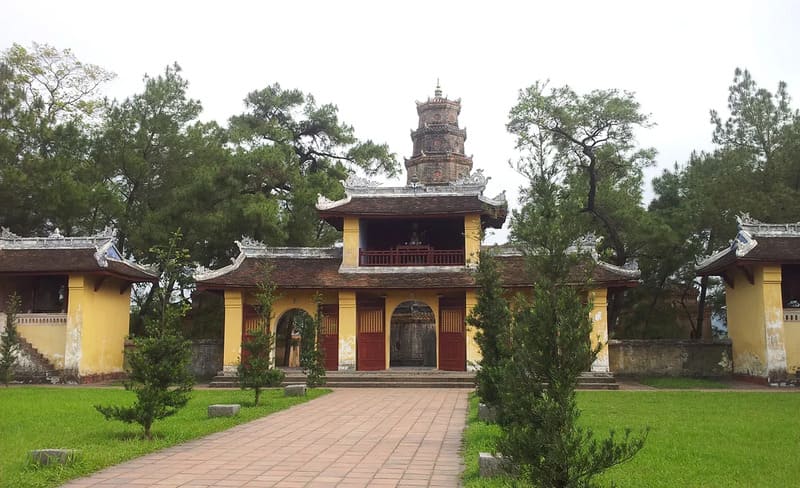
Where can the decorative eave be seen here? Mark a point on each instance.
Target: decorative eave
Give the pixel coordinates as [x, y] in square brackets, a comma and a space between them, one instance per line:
[105, 254]
[250, 248]
[746, 247]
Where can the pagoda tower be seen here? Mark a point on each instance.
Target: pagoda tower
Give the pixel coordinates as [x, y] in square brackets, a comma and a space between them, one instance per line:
[438, 156]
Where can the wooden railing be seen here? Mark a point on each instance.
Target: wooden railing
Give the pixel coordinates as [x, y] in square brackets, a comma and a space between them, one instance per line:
[412, 256]
[791, 314]
[42, 319]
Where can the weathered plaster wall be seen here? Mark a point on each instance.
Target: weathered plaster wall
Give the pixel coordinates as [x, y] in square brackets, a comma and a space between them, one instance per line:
[599, 315]
[48, 339]
[233, 330]
[74, 330]
[472, 239]
[670, 358]
[106, 317]
[770, 278]
[473, 351]
[791, 336]
[347, 330]
[746, 326]
[350, 242]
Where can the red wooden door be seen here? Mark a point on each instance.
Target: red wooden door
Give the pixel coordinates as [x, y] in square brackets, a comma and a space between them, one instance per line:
[330, 336]
[371, 339]
[452, 335]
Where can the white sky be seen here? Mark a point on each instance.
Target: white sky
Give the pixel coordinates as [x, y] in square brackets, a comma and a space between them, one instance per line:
[373, 59]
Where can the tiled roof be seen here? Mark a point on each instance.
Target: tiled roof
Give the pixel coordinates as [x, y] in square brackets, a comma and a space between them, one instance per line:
[493, 215]
[63, 255]
[322, 271]
[756, 242]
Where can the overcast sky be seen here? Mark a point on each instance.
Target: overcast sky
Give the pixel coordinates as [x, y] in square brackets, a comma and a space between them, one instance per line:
[374, 59]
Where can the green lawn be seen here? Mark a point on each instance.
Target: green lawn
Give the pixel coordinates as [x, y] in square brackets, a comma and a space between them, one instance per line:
[697, 439]
[682, 383]
[48, 417]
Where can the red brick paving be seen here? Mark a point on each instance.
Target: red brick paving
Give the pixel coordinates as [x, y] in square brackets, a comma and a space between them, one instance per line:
[349, 438]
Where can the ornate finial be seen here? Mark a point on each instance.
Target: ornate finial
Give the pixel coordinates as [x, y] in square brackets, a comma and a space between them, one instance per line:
[438, 92]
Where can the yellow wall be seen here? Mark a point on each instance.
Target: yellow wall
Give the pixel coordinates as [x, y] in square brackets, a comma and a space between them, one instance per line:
[396, 297]
[473, 351]
[745, 303]
[48, 340]
[347, 330]
[75, 311]
[106, 319]
[350, 239]
[233, 331]
[791, 331]
[472, 238]
[770, 277]
[599, 315]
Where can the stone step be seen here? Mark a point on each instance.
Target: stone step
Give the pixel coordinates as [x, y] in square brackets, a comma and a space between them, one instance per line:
[424, 379]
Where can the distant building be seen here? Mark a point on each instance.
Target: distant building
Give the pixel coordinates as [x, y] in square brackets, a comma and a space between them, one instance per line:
[761, 271]
[76, 295]
[398, 290]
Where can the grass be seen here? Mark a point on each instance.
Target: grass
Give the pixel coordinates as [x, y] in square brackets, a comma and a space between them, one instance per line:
[48, 417]
[697, 439]
[682, 383]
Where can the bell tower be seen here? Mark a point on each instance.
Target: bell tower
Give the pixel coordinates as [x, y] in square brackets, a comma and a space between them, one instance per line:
[438, 156]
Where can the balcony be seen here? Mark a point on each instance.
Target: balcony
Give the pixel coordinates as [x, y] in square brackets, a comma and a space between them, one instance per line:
[412, 256]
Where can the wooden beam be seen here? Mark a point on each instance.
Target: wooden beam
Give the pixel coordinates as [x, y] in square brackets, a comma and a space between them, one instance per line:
[727, 279]
[125, 287]
[99, 282]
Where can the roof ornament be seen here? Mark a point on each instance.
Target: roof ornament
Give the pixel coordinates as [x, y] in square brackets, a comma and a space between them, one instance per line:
[56, 234]
[5, 233]
[475, 179]
[438, 92]
[355, 181]
[755, 227]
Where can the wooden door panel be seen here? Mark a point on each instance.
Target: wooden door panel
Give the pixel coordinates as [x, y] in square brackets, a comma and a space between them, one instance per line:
[330, 336]
[371, 345]
[452, 336]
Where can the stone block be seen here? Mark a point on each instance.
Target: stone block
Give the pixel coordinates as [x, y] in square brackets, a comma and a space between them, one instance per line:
[490, 465]
[222, 410]
[486, 413]
[294, 390]
[53, 456]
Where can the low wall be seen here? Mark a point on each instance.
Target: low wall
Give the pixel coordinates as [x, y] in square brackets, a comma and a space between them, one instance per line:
[206, 357]
[669, 357]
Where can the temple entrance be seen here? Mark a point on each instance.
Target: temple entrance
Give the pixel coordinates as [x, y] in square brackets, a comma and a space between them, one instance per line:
[413, 336]
[287, 338]
[452, 334]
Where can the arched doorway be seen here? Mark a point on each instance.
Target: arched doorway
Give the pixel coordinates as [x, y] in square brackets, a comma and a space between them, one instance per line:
[287, 338]
[413, 335]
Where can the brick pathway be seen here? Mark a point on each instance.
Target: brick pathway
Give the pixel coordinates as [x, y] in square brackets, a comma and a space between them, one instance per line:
[349, 438]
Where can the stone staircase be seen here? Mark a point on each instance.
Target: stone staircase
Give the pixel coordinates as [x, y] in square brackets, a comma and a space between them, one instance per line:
[32, 366]
[410, 378]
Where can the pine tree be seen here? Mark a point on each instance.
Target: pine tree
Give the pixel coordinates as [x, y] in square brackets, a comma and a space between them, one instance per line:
[9, 340]
[255, 368]
[491, 317]
[158, 366]
[549, 349]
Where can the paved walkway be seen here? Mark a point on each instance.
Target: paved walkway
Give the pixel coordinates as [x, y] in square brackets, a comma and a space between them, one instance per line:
[349, 438]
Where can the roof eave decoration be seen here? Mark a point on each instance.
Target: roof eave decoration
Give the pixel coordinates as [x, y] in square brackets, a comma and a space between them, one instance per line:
[470, 185]
[251, 248]
[9, 240]
[754, 227]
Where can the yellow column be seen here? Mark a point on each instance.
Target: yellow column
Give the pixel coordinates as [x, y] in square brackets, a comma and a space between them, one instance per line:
[350, 240]
[773, 322]
[233, 331]
[76, 307]
[347, 330]
[599, 315]
[472, 239]
[473, 352]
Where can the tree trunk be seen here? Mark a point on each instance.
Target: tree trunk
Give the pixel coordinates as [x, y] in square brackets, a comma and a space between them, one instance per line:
[697, 331]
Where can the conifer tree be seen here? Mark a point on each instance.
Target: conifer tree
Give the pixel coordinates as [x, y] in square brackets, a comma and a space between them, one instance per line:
[158, 371]
[255, 368]
[491, 318]
[9, 340]
[549, 348]
[312, 357]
